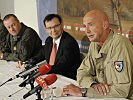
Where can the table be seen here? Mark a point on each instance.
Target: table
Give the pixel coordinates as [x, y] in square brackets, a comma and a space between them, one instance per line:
[8, 70]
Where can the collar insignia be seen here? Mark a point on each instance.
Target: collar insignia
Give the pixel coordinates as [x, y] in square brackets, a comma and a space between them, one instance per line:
[14, 48]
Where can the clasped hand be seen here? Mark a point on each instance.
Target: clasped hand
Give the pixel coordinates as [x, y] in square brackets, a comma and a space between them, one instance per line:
[100, 88]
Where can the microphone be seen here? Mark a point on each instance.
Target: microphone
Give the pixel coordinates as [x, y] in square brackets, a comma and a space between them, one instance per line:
[41, 71]
[30, 61]
[42, 83]
[26, 72]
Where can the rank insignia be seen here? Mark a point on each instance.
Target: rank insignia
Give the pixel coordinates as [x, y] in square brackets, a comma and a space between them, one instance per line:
[118, 65]
[14, 48]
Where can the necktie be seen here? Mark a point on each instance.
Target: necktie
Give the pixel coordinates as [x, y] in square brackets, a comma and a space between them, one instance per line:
[53, 54]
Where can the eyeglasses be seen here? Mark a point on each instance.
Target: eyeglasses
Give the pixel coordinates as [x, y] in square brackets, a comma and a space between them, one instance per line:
[56, 27]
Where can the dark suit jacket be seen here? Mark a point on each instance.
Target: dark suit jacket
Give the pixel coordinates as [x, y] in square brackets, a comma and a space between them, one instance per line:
[67, 58]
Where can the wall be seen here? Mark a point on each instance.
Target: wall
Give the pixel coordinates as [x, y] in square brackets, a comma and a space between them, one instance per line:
[6, 6]
[26, 11]
[45, 7]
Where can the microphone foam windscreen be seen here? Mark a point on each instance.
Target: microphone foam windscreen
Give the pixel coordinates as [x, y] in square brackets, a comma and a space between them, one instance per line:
[41, 81]
[44, 69]
[50, 79]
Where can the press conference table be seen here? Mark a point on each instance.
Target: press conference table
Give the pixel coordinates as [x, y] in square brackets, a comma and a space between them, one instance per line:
[8, 70]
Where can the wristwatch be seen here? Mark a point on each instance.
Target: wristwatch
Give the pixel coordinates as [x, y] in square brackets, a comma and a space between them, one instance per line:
[84, 91]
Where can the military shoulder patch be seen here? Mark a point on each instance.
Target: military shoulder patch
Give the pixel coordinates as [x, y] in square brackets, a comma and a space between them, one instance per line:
[118, 65]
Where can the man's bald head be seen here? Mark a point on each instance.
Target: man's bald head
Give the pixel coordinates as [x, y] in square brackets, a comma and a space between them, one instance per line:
[97, 14]
[97, 27]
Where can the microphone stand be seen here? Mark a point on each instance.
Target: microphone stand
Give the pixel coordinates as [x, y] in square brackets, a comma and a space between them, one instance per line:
[32, 84]
[38, 92]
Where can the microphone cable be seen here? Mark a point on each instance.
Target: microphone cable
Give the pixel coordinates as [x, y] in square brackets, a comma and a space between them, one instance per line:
[16, 92]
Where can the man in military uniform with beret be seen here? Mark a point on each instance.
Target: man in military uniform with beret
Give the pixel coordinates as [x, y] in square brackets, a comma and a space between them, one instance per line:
[22, 41]
[107, 70]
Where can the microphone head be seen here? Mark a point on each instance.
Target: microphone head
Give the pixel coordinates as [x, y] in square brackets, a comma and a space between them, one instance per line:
[41, 81]
[44, 69]
[50, 79]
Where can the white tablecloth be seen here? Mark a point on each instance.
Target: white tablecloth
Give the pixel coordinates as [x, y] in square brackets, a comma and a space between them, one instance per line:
[8, 70]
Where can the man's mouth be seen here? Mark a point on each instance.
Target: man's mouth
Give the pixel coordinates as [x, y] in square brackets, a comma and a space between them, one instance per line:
[55, 33]
[90, 36]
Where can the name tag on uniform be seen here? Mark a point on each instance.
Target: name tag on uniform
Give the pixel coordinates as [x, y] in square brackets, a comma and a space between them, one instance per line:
[118, 65]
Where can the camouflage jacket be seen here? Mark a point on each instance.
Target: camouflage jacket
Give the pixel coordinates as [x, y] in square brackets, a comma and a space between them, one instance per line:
[23, 46]
[3, 34]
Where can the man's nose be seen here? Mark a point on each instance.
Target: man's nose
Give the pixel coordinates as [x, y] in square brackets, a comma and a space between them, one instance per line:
[87, 30]
[53, 29]
[11, 29]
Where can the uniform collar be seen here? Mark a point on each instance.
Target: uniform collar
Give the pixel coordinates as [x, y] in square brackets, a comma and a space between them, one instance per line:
[105, 48]
[22, 30]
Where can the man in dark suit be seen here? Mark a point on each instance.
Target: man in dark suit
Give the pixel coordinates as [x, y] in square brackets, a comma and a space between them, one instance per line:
[67, 58]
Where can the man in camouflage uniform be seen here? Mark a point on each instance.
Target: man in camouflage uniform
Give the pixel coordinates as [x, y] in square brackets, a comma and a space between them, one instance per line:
[107, 70]
[22, 41]
[3, 34]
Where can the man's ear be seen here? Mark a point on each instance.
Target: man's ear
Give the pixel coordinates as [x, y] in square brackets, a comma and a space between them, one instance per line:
[62, 25]
[105, 25]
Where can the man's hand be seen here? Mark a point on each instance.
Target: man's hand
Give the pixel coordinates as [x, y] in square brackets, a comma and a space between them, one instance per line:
[101, 88]
[72, 90]
[1, 55]
[20, 65]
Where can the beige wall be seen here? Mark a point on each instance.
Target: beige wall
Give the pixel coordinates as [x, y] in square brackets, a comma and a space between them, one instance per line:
[26, 11]
[6, 6]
